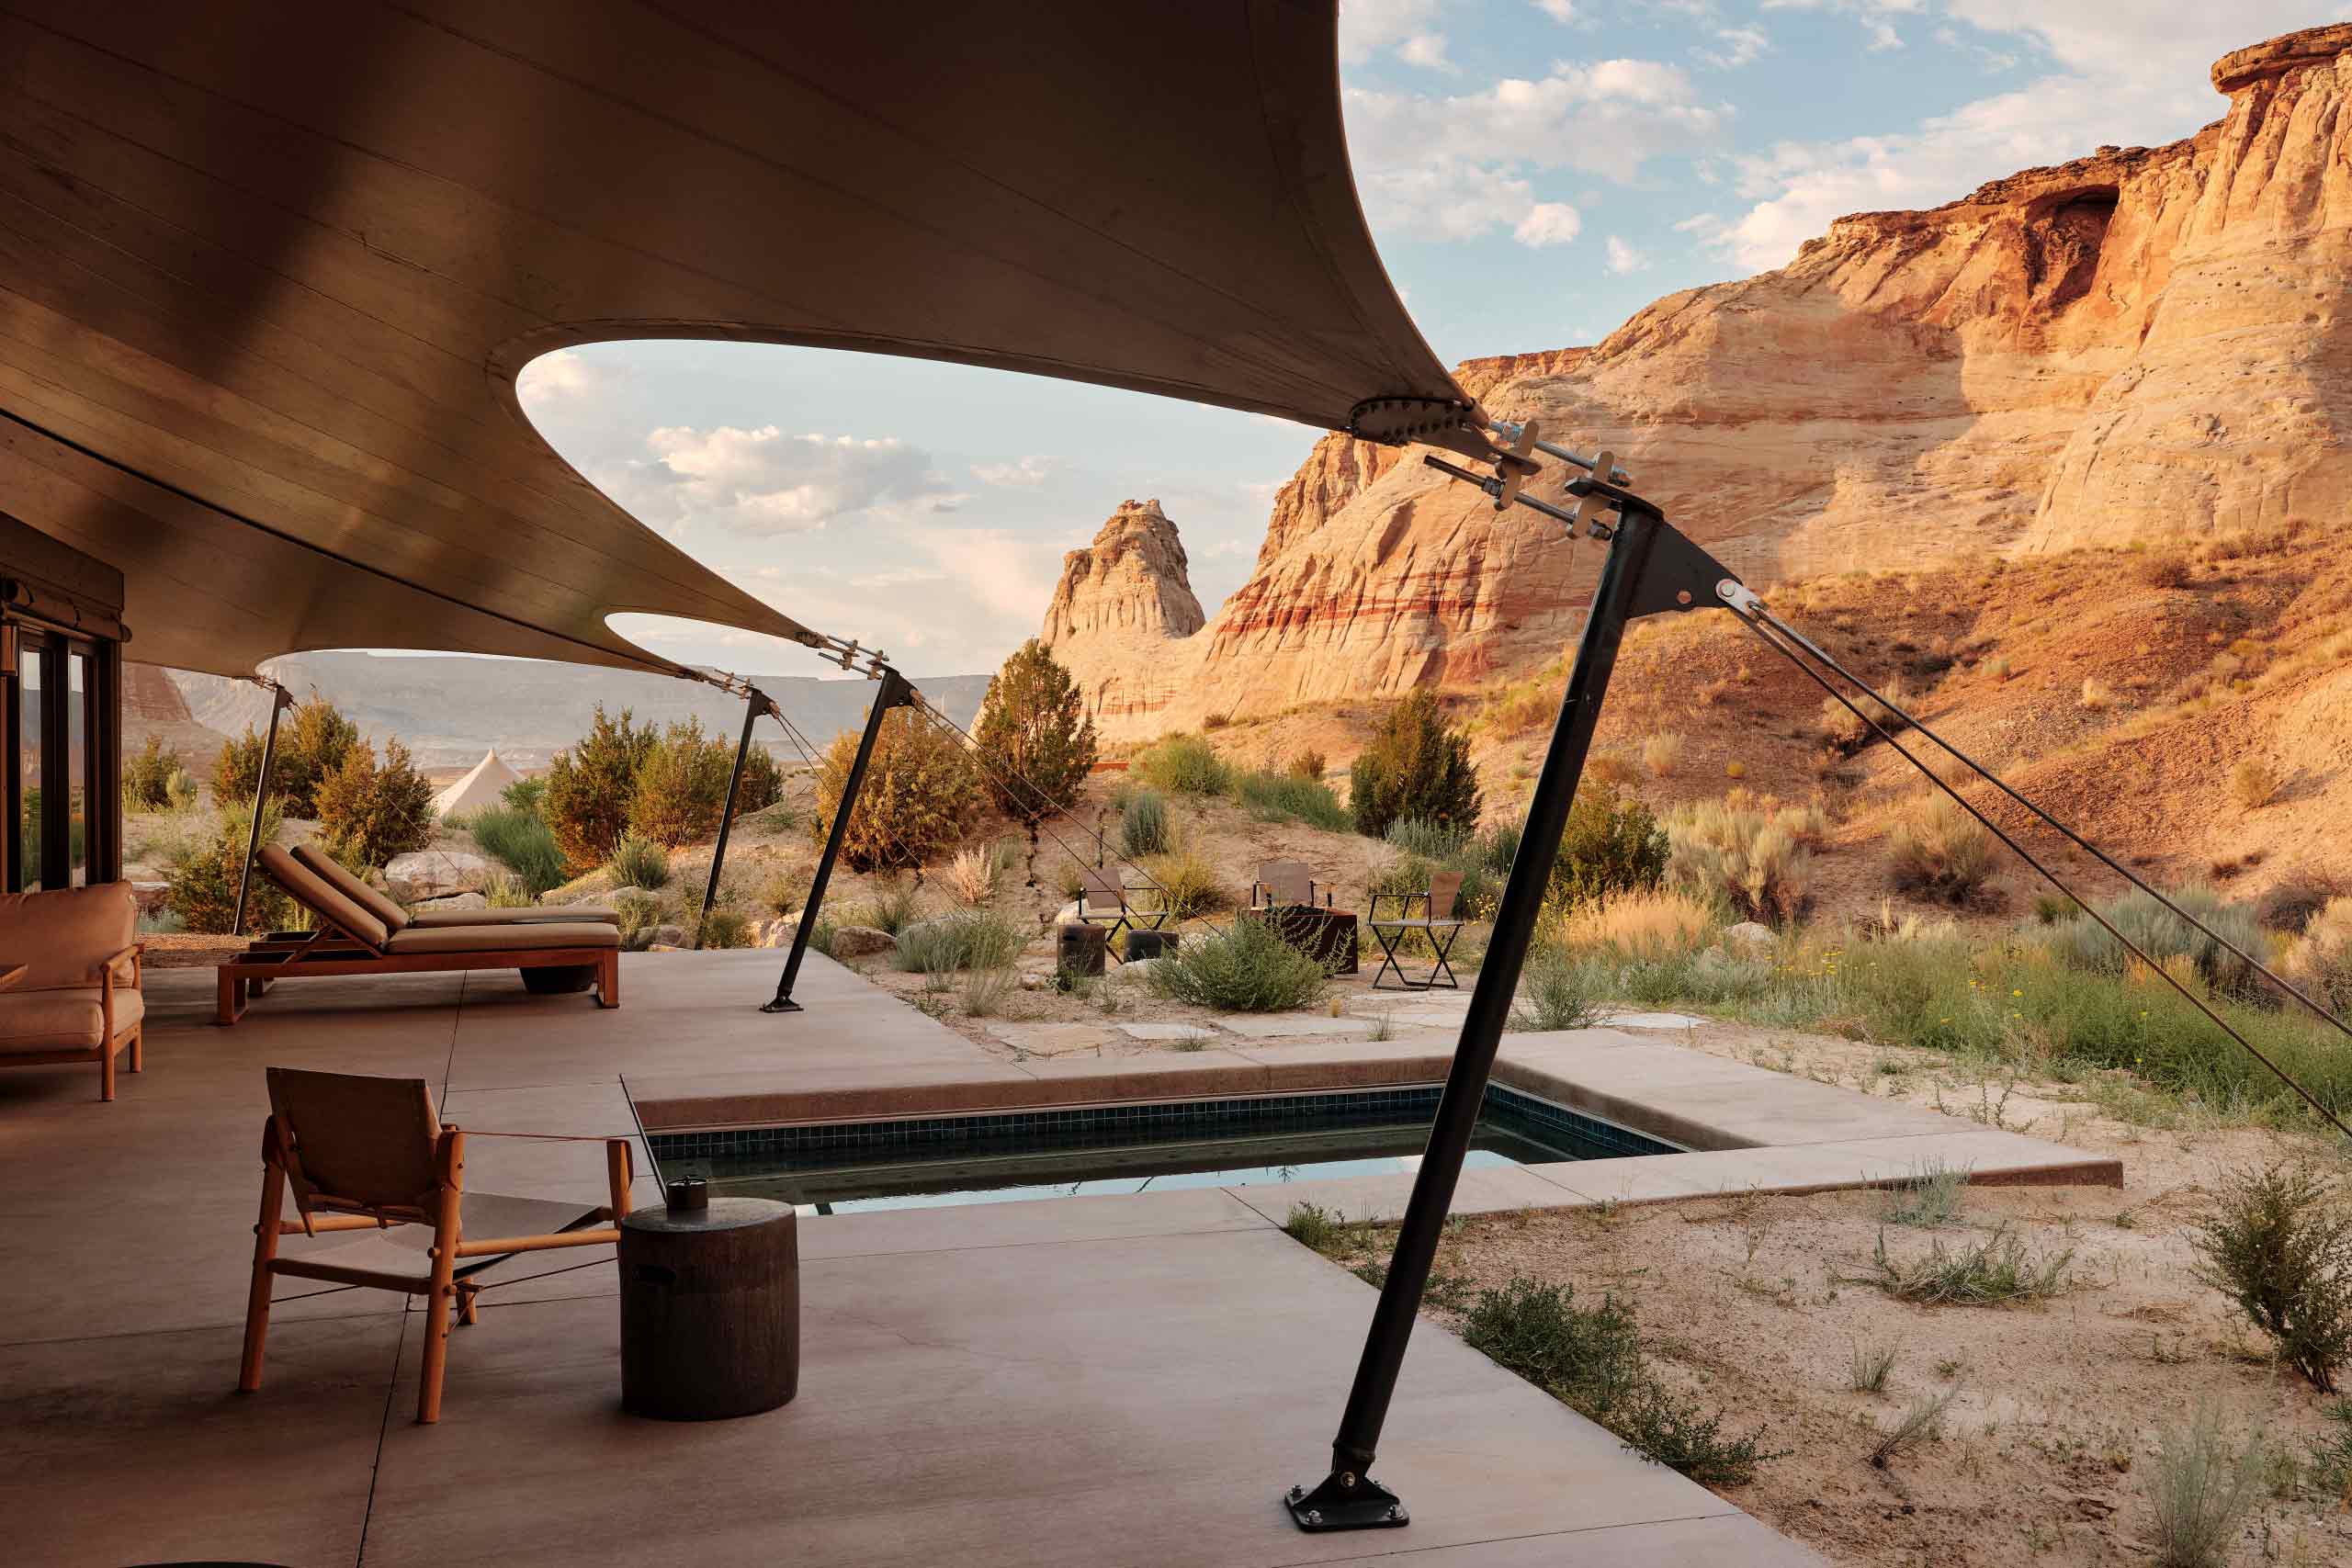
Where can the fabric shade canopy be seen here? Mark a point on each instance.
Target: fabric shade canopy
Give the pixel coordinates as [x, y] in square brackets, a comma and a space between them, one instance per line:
[267, 273]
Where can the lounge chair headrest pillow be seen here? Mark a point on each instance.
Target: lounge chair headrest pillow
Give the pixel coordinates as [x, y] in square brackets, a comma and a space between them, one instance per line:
[62, 934]
[349, 884]
[317, 894]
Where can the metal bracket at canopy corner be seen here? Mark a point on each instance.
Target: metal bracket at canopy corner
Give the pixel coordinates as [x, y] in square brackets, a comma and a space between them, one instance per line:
[1399, 421]
[845, 652]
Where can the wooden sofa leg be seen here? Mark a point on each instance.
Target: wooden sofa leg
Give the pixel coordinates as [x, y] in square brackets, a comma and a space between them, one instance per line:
[273, 1197]
[106, 1070]
[139, 1048]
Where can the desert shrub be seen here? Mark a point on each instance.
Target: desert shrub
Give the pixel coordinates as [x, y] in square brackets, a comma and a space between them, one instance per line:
[1941, 851]
[1309, 763]
[1610, 767]
[982, 990]
[521, 841]
[970, 877]
[2293, 904]
[1649, 925]
[1182, 764]
[1286, 798]
[181, 791]
[2163, 935]
[504, 891]
[965, 940]
[1735, 769]
[1998, 669]
[1143, 825]
[1931, 1196]
[725, 928]
[1246, 967]
[1995, 1272]
[1869, 1370]
[2320, 963]
[1611, 845]
[147, 777]
[895, 904]
[2278, 1243]
[2097, 697]
[524, 794]
[1846, 730]
[200, 873]
[1034, 742]
[641, 917]
[2049, 909]
[373, 812]
[2200, 1490]
[680, 786]
[1746, 856]
[2255, 783]
[2163, 569]
[1662, 754]
[1496, 847]
[1215, 720]
[590, 788]
[640, 863]
[1922, 1422]
[779, 892]
[1416, 765]
[921, 793]
[1556, 992]
[1591, 1359]
[1313, 1226]
[1189, 885]
[1430, 840]
[312, 740]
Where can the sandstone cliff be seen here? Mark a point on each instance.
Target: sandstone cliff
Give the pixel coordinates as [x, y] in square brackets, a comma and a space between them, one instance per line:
[2140, 343]
[1120, 604]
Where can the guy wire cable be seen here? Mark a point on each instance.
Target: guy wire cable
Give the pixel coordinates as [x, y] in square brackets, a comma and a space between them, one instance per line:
[1785, 651]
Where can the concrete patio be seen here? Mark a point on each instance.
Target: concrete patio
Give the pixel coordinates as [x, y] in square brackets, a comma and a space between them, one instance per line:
[1083, 1380]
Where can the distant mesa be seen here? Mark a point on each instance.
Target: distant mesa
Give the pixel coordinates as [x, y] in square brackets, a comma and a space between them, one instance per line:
[2137, 345]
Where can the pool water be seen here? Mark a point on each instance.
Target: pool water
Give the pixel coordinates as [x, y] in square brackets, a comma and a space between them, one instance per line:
[1255, 1141]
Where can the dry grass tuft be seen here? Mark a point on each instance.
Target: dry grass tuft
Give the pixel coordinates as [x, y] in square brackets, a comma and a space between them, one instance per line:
[1661, 752]
[1942, 851]
[2255, 783]
[2098, 695]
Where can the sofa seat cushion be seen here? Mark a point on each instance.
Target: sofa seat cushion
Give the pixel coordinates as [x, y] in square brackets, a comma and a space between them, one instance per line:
[65, 1019]
[543, 936]
[528, 915]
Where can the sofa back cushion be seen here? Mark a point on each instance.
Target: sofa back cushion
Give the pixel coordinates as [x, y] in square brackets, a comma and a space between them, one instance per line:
[62, 934]
[320, 897]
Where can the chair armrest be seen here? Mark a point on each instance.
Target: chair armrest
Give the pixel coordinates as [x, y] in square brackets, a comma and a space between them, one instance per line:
[111, 966]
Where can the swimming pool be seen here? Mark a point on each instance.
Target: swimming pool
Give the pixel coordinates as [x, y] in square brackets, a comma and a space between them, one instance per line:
[912, 1162]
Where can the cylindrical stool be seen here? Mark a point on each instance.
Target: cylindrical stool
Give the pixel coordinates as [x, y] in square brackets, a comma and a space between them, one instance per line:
[1078, 949]
[710, 1310]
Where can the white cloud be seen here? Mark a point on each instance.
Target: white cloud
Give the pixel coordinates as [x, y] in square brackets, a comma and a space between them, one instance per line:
[1548, 223]
[1624, 258]
[563, 375]
[1026, 474]
[766, 482]
[1739, 47]
[2126, 74]
[1561, 11]
[1459, 166]
[1425, 51]
[1383, 26]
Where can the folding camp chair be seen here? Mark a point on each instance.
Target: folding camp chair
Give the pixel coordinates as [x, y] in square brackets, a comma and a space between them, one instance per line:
[1103, 901]
[1285, 884]
[368, 1155]
[1436, 921]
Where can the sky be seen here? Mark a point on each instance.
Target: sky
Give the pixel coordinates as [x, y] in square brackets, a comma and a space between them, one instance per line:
[1534, 172]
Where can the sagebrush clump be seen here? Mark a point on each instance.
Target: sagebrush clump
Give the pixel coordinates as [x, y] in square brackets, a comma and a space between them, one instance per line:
[521, 841]
[2278, 1243]
[1182, 764]
[147, 777]
[1747, 853]
[202, 872]
[1246, 967]
[1940, 851]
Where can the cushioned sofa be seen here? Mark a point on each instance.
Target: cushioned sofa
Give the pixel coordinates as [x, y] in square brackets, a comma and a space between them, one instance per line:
[78, 999]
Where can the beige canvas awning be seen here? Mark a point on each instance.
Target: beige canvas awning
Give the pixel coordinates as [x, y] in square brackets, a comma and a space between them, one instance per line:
[267, 272]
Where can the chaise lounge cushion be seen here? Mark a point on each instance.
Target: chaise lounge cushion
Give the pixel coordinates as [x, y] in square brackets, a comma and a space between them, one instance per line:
[63, 1019]
[535, 938]
[60, 936]
[320, 897]
[336, 874]
[525, 915]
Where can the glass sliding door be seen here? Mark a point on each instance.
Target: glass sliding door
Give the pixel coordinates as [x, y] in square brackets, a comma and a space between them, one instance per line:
[60, 773]
[78, 793]
[32, 715]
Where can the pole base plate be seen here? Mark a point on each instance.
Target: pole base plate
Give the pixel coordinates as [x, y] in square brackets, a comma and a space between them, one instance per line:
[782, 1004]
[1346, 1501]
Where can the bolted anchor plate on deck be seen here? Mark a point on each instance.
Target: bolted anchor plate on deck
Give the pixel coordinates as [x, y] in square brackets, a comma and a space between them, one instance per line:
[1346, 1501]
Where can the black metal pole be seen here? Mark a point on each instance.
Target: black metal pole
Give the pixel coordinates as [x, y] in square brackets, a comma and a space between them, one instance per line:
[279, 702]
[1348, 1498]
[754, 705]
[893, 693]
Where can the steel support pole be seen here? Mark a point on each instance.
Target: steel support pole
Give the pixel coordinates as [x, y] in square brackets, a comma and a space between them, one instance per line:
[1631, 584]
[893, 693]
[280, 701]
[755, 703]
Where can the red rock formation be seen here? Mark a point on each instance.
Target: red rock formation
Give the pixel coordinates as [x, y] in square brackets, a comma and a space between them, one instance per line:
[1119, 602]
[2143, 343]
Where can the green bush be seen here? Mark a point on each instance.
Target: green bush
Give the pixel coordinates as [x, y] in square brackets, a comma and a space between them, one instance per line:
[520, 839]
[590, 787]
[504, 891]
[312, 742]
[182, 791]
[1430, 840]
[372, 813]
[524, 794]
[969, 938]
[920, 794]
[640, 863]
[640, 916]
[2279, 1244]
[1416, 765]
[1143, 824]
[2161, 935]
[1496, 847]
[1182, 764]
[1591, 1359]
[681, 786]
[1188, 884]
[147, 777]
[1611, 845]
[1287, 797]
[725, 928]
[1309, 763]
[201, 874]
[896, 905]
[1556, 993]
[1245, 968]
[1034, 742]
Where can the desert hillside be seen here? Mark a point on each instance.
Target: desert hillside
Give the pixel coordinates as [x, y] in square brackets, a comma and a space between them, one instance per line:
[2139, 346]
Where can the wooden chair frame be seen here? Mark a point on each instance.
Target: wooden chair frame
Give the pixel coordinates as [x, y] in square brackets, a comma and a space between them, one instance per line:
[112, 1042]
[447, 1297]
[1441, 930]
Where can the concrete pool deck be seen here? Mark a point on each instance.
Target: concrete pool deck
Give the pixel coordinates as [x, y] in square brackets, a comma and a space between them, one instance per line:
[1084, 1381]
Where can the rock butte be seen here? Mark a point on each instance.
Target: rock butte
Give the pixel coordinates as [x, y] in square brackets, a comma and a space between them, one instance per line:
[2143, 344]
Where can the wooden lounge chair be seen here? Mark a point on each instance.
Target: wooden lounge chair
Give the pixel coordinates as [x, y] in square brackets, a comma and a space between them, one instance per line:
[351, 939]
[395, 918]
[369, 1155]
[1436, 921]
[1103, 901]
[78, 997]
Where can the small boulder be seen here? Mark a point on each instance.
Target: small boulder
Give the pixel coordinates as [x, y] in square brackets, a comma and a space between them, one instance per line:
[668, 935]
[458, 901]
[150, 897]
[862, 941]
[434, 873]
[1750, 941]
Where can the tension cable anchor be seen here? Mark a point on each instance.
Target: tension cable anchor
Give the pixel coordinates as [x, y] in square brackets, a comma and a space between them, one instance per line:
[1348, 1500]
